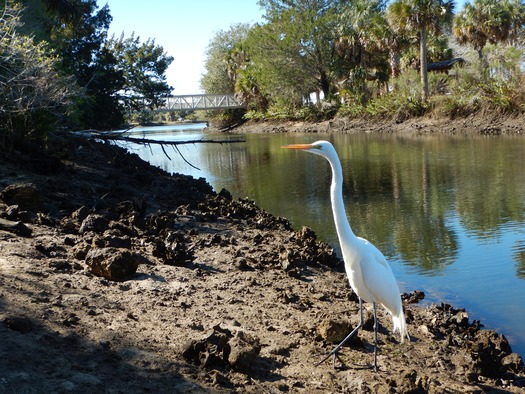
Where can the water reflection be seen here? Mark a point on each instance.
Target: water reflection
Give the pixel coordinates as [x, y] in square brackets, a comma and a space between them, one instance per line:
[448, 212]
[519, 256]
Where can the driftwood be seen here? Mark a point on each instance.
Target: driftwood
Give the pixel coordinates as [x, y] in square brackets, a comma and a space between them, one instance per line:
[146, 141]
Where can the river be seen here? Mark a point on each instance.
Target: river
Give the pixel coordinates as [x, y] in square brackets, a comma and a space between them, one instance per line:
[447, 211]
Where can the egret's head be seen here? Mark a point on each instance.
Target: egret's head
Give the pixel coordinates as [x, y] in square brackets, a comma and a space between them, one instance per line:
[322, 148]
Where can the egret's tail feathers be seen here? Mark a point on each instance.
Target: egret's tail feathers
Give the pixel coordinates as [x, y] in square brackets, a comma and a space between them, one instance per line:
[401, 326]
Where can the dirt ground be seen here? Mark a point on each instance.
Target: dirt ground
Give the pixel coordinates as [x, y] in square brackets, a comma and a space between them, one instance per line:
[116, 277]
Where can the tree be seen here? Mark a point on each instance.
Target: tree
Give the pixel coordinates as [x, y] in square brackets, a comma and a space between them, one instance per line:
[422, 16]
[361, 44]
[33, 97]
[223, 60]
[76, 31]
[143, 66]
[293, 54]
[241, 72]
[489, 21]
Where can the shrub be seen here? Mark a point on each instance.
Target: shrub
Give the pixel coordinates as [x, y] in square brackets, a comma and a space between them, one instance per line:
[33, 98]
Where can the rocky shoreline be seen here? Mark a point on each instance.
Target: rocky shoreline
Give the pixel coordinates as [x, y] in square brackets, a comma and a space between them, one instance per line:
[117, 277]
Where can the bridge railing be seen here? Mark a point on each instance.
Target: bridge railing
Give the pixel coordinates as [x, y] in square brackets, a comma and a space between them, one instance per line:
[199, 102]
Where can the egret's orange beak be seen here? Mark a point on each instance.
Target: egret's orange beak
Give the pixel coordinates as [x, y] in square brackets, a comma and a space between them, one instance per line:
[297, 146]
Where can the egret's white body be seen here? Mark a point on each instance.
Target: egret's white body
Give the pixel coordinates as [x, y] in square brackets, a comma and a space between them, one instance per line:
[368, 271]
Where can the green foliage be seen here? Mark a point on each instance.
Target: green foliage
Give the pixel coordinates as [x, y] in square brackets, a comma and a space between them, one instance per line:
[224, 64]
[404, 103]
[76, 30]
[293, 54]
[368, 57]
[143, 67]
[484, 22]
[224, 118]
[33, 97]
[223, 60]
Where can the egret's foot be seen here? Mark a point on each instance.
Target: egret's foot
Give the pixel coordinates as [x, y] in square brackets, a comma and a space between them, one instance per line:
[326, 358]
[335, 354]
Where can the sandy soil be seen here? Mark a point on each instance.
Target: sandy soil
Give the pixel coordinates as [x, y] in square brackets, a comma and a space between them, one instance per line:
[118, 278]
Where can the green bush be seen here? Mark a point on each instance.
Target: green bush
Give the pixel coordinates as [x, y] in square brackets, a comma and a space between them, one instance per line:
[33, 98]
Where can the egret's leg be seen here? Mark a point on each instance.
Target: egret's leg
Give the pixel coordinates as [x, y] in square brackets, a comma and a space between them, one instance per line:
[375, 337]
[354, 331]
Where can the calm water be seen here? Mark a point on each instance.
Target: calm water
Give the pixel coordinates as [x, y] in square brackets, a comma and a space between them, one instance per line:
[448, 212]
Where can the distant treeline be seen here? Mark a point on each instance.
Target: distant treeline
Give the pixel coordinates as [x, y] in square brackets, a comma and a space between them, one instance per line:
[308, 60]
[371, 57]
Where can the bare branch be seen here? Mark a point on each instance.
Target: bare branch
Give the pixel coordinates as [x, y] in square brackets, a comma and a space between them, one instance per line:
[145, 141]
[94, 134]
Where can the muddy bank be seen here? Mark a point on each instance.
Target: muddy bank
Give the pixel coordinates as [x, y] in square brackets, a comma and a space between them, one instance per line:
[116, 277]
[472, 125]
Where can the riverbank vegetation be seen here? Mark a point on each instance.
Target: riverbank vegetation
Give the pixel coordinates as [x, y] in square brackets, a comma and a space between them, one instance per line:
[314, 60]
[60, 70]
[308, 60]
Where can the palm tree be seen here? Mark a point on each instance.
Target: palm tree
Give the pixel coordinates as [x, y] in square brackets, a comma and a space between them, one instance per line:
[488, 21]
[517, 21]
[421, 16]
[361, 27]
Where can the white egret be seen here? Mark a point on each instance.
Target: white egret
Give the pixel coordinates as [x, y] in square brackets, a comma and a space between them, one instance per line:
[368, 271]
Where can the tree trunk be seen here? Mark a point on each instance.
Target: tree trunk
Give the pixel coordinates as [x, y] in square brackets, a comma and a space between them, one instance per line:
[483, 67]
[423, 62]
[325, 84]
[395, 62]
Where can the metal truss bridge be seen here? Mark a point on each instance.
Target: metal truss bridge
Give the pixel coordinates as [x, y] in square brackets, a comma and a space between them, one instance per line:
[199, 102]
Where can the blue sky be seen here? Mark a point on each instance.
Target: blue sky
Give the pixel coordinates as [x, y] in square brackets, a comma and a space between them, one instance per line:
[184, 29]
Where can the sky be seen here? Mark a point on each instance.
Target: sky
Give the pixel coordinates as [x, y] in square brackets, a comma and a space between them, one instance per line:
[184, 28]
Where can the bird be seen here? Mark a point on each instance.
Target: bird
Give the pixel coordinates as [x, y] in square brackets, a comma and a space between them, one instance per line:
[369, 274]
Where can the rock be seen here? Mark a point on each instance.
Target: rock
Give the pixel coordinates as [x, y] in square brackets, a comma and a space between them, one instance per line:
[513, 363]
[80, 250]
[219, 348]
[209, 350]
[80, 214]
[15, 227]
[21, 324]
[25, 195]
[112, 263]
[220, 379]
[112, 240]
[423, 329]
[334, 331]
[306, 233]
[486, 351]
[409, 382]
[414, 297]
[173, 250]
[12, 212]
[243, 350]
[94, 222]
[462, 319]
[225, 194]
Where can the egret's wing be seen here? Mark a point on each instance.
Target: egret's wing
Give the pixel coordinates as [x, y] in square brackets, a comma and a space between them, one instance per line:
[379, 279]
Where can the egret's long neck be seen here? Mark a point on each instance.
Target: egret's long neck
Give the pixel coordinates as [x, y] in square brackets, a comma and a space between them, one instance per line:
[338, 207]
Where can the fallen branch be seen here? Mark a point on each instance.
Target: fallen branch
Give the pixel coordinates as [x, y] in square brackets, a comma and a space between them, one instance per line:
[146, 141]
